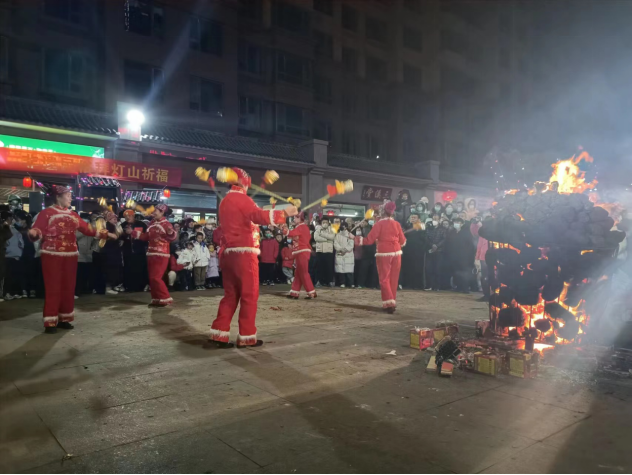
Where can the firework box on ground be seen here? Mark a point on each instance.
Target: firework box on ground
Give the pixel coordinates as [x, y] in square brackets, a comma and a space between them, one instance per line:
[421, 338]
[522, 364]
[447, 369]
[432, 365]
[451, 328]
[486, 364]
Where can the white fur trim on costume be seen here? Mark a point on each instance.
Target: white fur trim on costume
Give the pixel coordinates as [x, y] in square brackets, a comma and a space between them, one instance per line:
[386, 303]
[272, 218]
[57, 216]
[294, 292]
[311, 292]
[71, 314]
[61, 210]
[63, 254]
[219, 333]
[156, 225]
[301, 250]
[252, 250]
[50, 319]
[247, 338]
[162, 301]
[388, 254]
[157, 254]
[236, 191]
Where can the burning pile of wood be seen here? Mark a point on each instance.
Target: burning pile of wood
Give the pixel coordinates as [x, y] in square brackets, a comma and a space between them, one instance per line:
[548, 256]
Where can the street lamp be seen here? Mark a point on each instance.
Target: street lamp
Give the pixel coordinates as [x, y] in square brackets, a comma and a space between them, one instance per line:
[135, 117]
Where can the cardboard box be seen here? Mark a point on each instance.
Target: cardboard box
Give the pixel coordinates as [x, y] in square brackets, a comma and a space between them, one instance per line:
[486, 364]
[451, 328]
[421, 338]
[438, 334]
[446, 369]
[432, 365]
[522, 365]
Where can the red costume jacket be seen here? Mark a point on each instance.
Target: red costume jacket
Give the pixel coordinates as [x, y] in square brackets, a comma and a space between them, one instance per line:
[56, 227]
[269, 251]
[237, 213]
[159, 234]
[300, 238]
[173, 264]
[288, 257]
[389, 236]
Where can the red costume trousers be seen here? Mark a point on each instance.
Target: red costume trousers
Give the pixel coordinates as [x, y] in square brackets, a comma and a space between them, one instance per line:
[388, 268]
[241, 287]
[156, 268]
[301, 276]
[60, 275]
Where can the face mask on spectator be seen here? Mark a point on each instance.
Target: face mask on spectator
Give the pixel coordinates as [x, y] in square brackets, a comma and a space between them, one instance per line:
[437, 208]
[289, 241]
[459, 208]
[449, 210]
[457, 226]
[445, 224]
[435, 223]
[371, 223]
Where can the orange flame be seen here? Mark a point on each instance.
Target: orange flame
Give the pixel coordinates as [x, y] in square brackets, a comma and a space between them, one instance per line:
[570, 178]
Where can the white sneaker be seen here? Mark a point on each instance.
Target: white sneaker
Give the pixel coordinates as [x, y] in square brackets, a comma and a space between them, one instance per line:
[33, 294]
[76, 297]
[289, 282]
[8, 297]
[146, 289]
[265, 283]
[399, 287]
[342, 286]
[1, 299]
[111, 292]
[25, 295]
[18, 296]
[272, 284]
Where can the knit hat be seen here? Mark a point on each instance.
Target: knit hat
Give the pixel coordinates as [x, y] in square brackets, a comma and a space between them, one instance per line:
[242, 177]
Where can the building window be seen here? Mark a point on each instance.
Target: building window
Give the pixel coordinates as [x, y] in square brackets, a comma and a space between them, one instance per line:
[412, 39]
[291, 18]
[323, 44]
[145, 17]
[322, 89]
[349, 18]
[376, 69]
[349, 142]
[251, 59]
[250, 113]
[205, 96]
[324, 6]
[67, 10]
[322, 130]
[64, 72]
[206, 36]
[375, 29]
[142, 80]
[412, 76]
[374, 147]
[349, 60]
[378, 108]
[349, 103]
[504, 58]
[293, 69]
[292, 120]
[4, 58]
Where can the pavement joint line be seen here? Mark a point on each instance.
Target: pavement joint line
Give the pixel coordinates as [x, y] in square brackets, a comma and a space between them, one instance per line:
[237, 450]
[541, 402]
[589, 416]
[510, 455]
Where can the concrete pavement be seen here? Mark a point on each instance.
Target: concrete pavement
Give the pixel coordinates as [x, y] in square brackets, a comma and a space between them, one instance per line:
[132, 389]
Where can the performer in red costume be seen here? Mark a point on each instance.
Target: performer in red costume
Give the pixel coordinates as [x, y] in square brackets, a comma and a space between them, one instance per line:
[159, 233]
[390, 240]
[302, 251]
[56, 226]
[239, 216]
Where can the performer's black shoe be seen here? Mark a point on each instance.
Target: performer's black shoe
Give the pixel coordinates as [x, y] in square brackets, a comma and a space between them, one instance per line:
[390, 310]
[65, 325]
[50, 330]
[222, 345]
[295, 297]
[259, 343]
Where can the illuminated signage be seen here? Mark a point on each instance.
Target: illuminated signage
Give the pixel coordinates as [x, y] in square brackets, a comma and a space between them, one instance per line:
[36, 145]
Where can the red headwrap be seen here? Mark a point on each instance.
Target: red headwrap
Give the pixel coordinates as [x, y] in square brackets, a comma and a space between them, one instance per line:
[243, 177]
[163, 208]
[57, 190]
[389, 208]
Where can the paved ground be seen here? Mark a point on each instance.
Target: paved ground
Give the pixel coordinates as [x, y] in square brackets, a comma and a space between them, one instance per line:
[132, 390]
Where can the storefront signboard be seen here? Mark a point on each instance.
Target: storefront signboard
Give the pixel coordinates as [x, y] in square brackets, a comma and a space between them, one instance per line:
[63, 164]
[23, 143]
[374, 193]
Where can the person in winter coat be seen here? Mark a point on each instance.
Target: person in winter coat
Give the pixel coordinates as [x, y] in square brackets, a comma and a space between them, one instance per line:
[435, 235]
[269, 253]
[201, 257]
[212, 271]
[14, 249]
[437, 209]
[325, 253]
[135, 266]
[177, 273]
[6, 220]
[113, 255]
[287, 260]
[479, 259]
[343, 244]
[185, 259]
[460, 251]
[209, 227]
[84, 266]
[402, 210]
[413, 257]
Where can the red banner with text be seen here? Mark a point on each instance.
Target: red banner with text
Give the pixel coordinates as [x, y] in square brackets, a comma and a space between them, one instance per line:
[61, 164]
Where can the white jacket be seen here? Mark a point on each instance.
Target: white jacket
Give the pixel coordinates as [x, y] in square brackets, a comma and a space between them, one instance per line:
[344, 244]
[201, 256]
[185, 258]
[213, 267]
[324, 240]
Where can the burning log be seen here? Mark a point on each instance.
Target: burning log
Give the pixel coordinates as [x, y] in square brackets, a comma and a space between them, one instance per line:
[543, 325]
[569, 330]
[553, 288]
[511, 317]
[557, 312]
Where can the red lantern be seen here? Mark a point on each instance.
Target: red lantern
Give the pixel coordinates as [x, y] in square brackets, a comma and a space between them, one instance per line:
[167, 193]
[330, 212]
[27, 182]
[449, 196]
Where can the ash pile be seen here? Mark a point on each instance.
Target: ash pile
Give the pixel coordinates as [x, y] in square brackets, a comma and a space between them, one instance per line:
[548, 259]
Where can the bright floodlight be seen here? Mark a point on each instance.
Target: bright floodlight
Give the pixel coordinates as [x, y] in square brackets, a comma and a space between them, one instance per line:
[135, 117]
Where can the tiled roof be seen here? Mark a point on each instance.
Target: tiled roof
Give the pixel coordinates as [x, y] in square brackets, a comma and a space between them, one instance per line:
[49, 114]
[358, 163]
[225, 143]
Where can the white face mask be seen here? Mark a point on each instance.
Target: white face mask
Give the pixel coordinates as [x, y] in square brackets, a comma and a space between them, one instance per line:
[358, 233]
[434, 223]
[371, 223]
[437, 208]
[457, 226]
